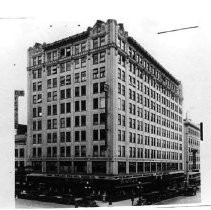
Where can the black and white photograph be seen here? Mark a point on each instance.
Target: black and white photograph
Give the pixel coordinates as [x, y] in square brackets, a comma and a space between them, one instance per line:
[105, 104]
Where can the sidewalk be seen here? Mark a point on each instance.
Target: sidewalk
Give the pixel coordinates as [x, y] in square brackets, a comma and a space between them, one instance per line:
[118, 203]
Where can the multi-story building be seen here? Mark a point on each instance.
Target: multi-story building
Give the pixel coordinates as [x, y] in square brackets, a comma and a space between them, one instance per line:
[20, 146]
[192, 139]
[99, 103]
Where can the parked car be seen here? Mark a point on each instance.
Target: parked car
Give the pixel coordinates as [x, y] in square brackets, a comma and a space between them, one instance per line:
[68, 199]
[190, 191]
[85, 202]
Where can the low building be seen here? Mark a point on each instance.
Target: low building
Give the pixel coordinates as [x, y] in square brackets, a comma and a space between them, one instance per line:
[192, 134]
[20, 146]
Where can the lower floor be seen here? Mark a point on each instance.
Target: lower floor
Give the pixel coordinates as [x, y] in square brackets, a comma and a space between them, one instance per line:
[104, 166]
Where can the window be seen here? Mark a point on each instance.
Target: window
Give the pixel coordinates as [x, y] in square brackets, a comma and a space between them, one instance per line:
[68, 93]
[54, 123]
[95, 73]
[77, 48]
[39, 86]
[102, 72]
[68, 79]
[62, 52]
[95, 119]
[77, 91]
[68, 122]
[102, 134]
[102, 57]
[83, 76]
[102, 40]
[54, 82]
[83, 62]
[48, 70]
[95, 58]
[39, 73]
[83, 105]
[77, 78]
[39, 112]
[95, 135]
[62, 108]
[62, 151]
[83, 120]
[54, 109]
[77, 135]
[77, 152]
[77, 107]
[49, 124]
[83, 47]
[83, 90]
[95, 151]
[77, 121]
[95, 88]
[95, 43]
[68, 136]
[68, 66]
[95, 103]
[62, 81]
[54, 55]
[83, 135]
[48, 56]
[39, 125]
[68, 107]
[54, 137]
[49, 83]
[62, 137]
[83, 151]
[102, 118]
[102, 86]
[34, 112]
[54, 70]
[68, 151]
[62, 94]
[77, 63]
[67, 51]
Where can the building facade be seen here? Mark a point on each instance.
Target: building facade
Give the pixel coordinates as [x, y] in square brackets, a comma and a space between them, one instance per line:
[99, 103]
[20, 146]
[191, 146]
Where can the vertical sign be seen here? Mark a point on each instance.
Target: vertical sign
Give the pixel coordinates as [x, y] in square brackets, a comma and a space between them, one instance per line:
[16, 95]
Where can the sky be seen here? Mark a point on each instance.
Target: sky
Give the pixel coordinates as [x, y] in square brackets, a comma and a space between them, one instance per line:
[185, 54]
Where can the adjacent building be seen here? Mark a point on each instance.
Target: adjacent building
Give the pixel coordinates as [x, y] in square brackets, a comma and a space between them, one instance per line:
[192, 139]
[99, 103]
[20, 146]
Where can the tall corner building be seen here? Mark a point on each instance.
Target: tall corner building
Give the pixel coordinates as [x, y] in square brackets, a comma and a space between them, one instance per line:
[99, 103]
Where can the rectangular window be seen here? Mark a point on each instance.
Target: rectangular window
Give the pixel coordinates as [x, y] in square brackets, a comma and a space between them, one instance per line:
[77, 64]
[77, 49]
[83, 105]
[68, 93]
[95, 135]
[95, 119]
[49, 83]
[62, 94]
[68, 79]
[95, 58]
[54, 123]
[77, 152]
[68, 66]
[95, 103]
[67, 51]
[49, 138]
[68, 107]
[83, 62]
[62, 108]
[77, 121]
[77, 91]
[77, 78]
[83, 120]
[77, 106]
[83, 47]
[95, 43]
[83, 76]
[39, 60]
[68, 136]
[83, 90]
[95, 73]
[54, 95]
[54, 109]
[102, 72]
[77, 134]
[54, 82]
[102, 57]
[83, 135]
[102, 40]
[68, 151]
[68, 122]
[62, 137]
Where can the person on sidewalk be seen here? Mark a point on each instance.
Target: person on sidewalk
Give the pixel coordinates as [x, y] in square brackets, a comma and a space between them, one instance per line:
[132, 200]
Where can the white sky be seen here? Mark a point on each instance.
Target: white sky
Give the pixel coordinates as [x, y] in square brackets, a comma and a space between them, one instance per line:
[185, 54]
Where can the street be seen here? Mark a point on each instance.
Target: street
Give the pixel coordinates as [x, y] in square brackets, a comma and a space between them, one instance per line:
[29, 204]
[23, 203]
[182, 200]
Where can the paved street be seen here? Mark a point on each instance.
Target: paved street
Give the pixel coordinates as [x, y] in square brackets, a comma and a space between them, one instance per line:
[182, 200]
[22, 203]
[29, 204]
